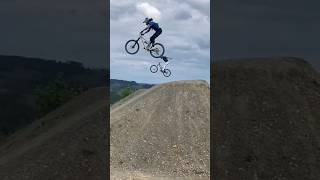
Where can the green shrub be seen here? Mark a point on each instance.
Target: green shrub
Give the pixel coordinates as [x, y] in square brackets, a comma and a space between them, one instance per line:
[55, 94]
[126, 92]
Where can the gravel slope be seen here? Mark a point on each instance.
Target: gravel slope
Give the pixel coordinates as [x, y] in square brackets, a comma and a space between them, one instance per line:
[163, 131]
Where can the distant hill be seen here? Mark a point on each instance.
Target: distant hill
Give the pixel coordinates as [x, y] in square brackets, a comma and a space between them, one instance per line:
[265, 119]
[116, 87]
[21, 76]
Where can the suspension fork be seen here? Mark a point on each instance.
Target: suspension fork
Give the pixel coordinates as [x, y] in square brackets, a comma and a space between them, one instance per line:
[137, 41]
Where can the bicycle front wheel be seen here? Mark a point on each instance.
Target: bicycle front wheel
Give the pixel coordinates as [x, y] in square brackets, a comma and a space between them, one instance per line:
[157, 50]
[132, 47]
[153, 68]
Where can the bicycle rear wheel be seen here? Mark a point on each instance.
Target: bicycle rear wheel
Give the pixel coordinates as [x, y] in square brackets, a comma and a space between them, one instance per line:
[157, 50]
[166, 72]
[132, 47]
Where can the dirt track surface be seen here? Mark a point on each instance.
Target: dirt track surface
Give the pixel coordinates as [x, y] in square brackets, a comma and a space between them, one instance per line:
[68, 144]
[162, 132]
[266, 120]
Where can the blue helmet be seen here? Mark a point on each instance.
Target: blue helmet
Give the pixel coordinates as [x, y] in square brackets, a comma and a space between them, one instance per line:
[147, 20]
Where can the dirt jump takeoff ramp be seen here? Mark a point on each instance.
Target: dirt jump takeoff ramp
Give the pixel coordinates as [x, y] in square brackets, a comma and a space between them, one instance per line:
[162, 133]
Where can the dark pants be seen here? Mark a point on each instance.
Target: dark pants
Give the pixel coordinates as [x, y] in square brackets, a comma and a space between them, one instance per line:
[155, 35]
[164, 58]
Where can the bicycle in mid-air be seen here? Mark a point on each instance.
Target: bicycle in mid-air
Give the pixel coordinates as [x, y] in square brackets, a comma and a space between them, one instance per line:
[132, 47]
[163, 68]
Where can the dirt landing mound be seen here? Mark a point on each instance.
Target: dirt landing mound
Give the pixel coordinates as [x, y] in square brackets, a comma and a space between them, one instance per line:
[163, 131]
[266, 120]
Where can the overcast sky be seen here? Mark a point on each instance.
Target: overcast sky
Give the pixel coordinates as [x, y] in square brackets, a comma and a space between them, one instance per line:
[55, 29]
[186, 37]
[76, 30]
[250, 28]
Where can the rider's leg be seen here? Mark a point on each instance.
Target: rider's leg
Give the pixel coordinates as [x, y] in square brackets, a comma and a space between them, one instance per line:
[154, 36]
[166, 62]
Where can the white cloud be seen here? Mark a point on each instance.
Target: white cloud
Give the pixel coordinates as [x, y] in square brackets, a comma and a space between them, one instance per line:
[149, 10]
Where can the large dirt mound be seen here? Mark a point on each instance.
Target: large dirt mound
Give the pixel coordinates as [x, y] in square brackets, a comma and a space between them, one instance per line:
[266, 120]
[163, 131]
[69, 143]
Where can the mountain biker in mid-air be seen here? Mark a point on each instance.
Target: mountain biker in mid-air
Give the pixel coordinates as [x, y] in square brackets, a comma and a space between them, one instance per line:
[151, 25]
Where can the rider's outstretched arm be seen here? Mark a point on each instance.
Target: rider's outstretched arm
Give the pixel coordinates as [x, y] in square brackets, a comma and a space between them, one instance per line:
[147, 29]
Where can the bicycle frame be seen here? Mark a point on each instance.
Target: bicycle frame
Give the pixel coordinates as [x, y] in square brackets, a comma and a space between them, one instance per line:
[152, 49]
[162, 68]
[143, 40]
[165, 71]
